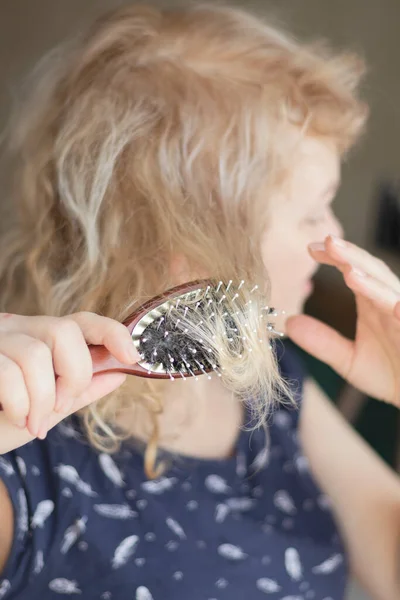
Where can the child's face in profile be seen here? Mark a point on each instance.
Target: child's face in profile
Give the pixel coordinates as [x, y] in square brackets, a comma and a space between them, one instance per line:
[302, 216]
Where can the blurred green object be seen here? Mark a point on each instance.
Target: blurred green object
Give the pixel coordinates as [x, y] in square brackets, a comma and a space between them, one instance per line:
[377, 423]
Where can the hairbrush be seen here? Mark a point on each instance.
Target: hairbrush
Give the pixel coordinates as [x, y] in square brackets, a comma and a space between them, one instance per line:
[203, 327]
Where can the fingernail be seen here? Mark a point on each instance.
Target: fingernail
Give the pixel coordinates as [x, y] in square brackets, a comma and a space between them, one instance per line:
[358, 272]
[317, 246]
[43, 429]
[33, 426]
[21, 423]
[338, 241]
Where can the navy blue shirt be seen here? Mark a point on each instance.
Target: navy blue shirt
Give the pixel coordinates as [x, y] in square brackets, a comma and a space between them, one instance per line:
[249, 527]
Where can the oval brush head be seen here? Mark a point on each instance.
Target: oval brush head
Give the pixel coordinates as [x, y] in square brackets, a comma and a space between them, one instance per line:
[193, 329]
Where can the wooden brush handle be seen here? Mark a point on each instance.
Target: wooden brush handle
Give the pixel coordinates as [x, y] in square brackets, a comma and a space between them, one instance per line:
[104, 362]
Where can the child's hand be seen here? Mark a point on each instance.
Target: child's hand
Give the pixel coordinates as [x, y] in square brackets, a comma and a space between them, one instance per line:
[46, 370]
[371, 362]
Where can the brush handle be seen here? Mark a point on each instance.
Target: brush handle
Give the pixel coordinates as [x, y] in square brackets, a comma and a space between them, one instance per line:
[104, 362]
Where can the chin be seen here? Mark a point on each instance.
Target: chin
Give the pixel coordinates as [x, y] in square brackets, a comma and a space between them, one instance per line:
[296, 307]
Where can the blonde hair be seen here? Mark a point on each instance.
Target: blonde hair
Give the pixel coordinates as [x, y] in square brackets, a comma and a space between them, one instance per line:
[152, 136]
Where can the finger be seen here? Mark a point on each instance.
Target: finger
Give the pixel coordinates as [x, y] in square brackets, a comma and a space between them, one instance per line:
[68, 339]
[337, 252]
[322, 342]
[12, 437]
[72, 361]
[70, 357]
[14, 398]
[34, 359]
[383, 296]
[99, 330]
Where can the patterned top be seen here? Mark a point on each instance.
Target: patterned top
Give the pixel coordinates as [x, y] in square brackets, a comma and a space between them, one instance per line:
[252, 526]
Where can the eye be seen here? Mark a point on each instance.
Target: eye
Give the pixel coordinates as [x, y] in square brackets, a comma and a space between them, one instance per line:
[315, 220]
[318, 218]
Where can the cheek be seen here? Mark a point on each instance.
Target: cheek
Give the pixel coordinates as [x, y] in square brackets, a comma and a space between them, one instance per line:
[286, 258]
[289, 265]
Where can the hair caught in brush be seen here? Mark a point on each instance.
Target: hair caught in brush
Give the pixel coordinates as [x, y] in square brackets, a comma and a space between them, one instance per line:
[231, 326]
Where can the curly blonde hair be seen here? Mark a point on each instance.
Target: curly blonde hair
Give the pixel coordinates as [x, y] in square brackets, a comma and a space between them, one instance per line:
[152, 135]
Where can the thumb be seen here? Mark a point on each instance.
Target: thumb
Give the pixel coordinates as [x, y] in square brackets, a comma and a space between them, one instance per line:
[322, 342]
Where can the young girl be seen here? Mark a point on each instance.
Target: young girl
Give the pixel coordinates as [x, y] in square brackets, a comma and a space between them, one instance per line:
[162, 146]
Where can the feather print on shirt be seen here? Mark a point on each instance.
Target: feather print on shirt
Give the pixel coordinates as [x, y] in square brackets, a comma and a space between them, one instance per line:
[115, 511]
[231, 552]
[329, 565]
[284, 502]
[67, 430]
[282, 419]
[216, 484]
[42, 512]
[23, 519]
[39, 562]
[176, 528]
[293, 564]
[21, 466]
[5, 587]
[142, 593]
[6, 467]
[221, 512]
[64, 586]
[69, 474]
[241, 504]
[111, 470]
[302, 463]
[72, 534]
[261, 460]
[124, 551]
[269, 586]
[159, 486]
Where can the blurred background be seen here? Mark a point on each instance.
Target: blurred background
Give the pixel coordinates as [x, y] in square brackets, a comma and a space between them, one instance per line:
[368, 203]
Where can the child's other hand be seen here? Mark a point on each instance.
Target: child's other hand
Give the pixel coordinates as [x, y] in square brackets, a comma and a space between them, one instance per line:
[370, 362]
[46, 370]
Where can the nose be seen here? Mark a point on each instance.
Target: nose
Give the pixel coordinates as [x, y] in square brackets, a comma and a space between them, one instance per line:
[334, 226]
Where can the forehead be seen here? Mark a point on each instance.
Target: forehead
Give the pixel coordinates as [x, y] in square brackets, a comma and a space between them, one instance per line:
[315, 171]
